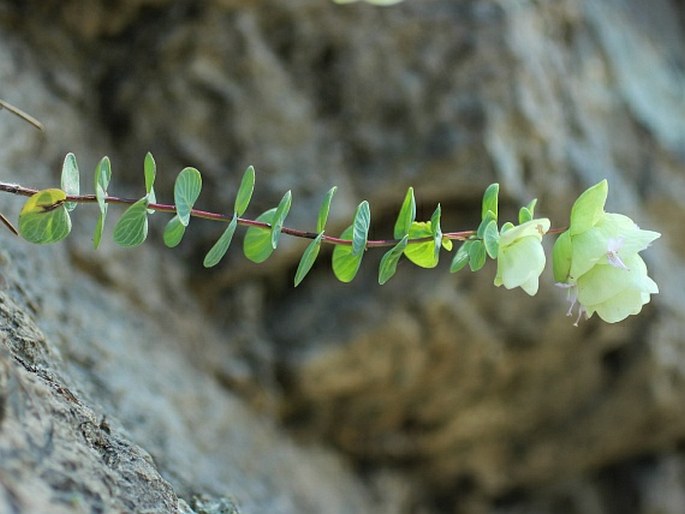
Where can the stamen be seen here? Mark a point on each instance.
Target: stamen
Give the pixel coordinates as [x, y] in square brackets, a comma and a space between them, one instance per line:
[613, 246]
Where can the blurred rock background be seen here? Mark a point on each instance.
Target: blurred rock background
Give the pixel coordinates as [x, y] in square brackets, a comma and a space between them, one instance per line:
[137, 381]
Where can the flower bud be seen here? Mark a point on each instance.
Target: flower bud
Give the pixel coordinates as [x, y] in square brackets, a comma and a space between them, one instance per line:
[520, 256]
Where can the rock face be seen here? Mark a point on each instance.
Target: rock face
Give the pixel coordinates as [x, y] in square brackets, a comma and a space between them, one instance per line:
[136, 381]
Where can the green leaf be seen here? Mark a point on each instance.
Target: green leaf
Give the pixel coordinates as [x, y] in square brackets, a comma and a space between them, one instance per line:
[422, 254]
[491, 239]
[461, 258]
[487, 218]
[103, 174]
[588, 208]
[406, 216]
[186, 192]
[360, 232]
[388, 265]
[528, 212]
[436, 231]
[244, 195]
[150, 172]
[524, 215]
[173, 232]
[561, 257]
[507, 226]
[44, 218]
[490, 201]
[257, 243]
[217, 252]
[70, 179]
[476, 255]
[131, 229]
[324, 210]
[279, 218]
[345, 261]
[308, 257]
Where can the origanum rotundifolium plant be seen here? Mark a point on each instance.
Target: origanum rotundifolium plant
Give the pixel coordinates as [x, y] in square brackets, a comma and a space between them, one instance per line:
[596, 258]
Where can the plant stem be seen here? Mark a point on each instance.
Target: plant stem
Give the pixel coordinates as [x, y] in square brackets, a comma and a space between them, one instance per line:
[462, 235]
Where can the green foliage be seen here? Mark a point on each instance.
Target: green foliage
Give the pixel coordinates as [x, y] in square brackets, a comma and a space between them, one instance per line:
[150, 172]
[217, 252]
[491, 239]
[70, 180]
[258, 244]
[345, 262]
[426, 252]
[436, 232]
[131, 229]
[308, 257]
[422, 254]
[406, 216]
[44, 218]
[388, 265]
[461, 258]
[527, 213]
[173, 232]
[244, 194]
[477, 255]
[186, 192]
[490, 202]
[360, 228]
[324, 210]
[279, 218]
[103, 174]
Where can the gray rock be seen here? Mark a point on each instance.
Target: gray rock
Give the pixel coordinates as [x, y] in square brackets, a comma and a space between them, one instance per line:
[133, 380]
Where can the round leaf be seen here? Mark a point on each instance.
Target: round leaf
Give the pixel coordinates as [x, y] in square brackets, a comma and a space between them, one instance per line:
[44, 218]
[345, 261]
[491, 239]
[476, 255]
[461, 258]
[422, 254]
[257, 243]
[131, 229]
[70, 179]
[173, 232]
[186, 192]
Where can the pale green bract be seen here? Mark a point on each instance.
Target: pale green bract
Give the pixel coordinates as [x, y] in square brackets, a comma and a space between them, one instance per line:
[520, 256]
[597, 260]
[615, 293]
